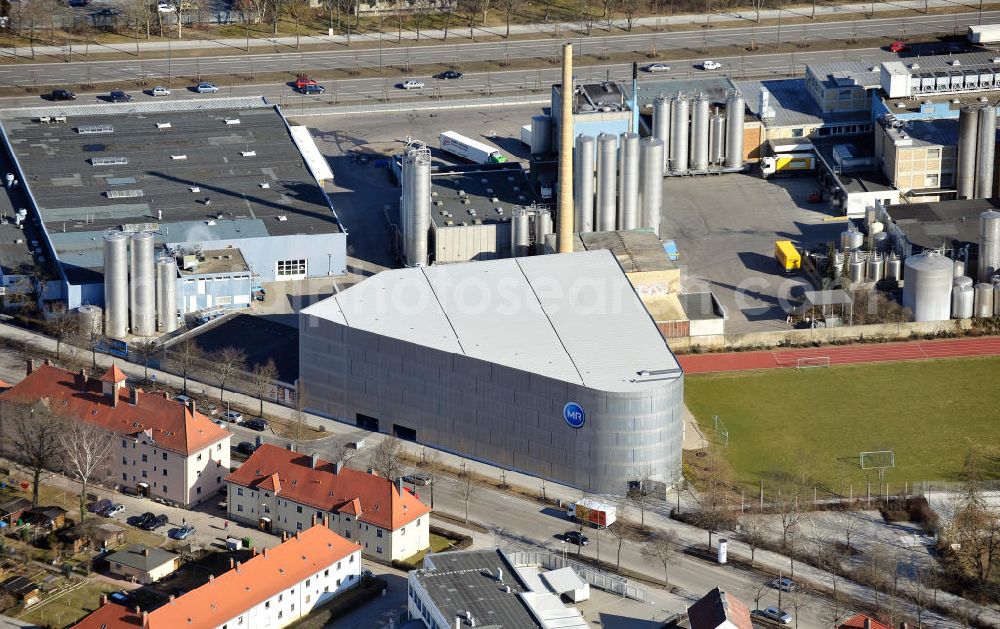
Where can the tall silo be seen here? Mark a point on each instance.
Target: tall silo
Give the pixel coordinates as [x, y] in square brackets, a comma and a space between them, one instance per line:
[989, 245]
[983, 300]
[142, 285]
[583, 184]
[966, 159]
[650, 183]
[541, 135]
[699, 133]
[679, 131]
[543, 226]
[415, 205]
[927, 286]
[166, 294]
[735, 108]
[116, 292]
[89, 320]
[628, 186]
[717, 138]
[661, 125]
[520, 240]
[985, 152]
[607, 175]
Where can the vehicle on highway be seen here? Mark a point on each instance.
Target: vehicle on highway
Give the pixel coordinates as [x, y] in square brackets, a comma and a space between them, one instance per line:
[312, 89]
[165, 7]
[206, 88]
[653, 68]
[159, 90]
[182, 532]
[155, 522]
[302, 80]
[140, 520]
[411, 84]
[576, 537]
[62, 95]
[119, 96]
[113, 510]
[98, 506]
[245, 447]
[256, 423]
[784, 584]
[708, 64]
[773, 614]
[233, 416]
[448, 75]
[897, 46]
[418, 478]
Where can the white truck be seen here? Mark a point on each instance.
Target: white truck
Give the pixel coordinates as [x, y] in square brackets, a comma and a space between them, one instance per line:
[526, 135]
[984, 34]
[467, 148]
[599, 514]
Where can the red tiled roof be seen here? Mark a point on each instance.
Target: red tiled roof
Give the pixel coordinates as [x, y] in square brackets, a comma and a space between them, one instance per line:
[260, 578]
[110, 616]
[857, 621]
[373, 499]
[271, 483]
[113, 374]
[4, 384]
[171, 424]
[716, 608]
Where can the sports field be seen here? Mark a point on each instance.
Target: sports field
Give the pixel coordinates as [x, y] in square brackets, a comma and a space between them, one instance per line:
[820, 419]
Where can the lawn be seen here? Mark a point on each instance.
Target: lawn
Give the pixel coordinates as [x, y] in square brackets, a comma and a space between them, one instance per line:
[439, 543]
[819, 420]
[68, 608]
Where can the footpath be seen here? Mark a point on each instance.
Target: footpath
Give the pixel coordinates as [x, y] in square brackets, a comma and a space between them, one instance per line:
[657, 515]
[727, 19]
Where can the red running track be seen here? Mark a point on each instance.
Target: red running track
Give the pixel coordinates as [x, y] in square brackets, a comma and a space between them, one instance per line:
[842, 355]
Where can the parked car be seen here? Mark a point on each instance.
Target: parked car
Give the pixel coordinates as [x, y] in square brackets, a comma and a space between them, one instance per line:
[119, 96]
[411, 84]
[653, 68]
[182, 532]
[418, 478]
[898, 46]
[312, 89]
[245, 447]
[233, 416]
[206, 88]
[140, 520]
[113, 510]
[773, 614]
[302, 81]
[784, 584]
[156, 522]
[122, 598]
[165, 7]
[62, 95]
[576, 537]
[159, 90]
[708, 64]
[448, 75]
[366, 573]
[98, 505]
[256, 424]
[183, 399]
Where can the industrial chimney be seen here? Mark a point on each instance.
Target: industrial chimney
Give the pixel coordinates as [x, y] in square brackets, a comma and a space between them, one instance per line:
[565, 218]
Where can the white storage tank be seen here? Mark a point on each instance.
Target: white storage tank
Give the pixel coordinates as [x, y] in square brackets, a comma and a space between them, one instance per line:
[984, 300]
[142, 285]
[927, 284]
[961, 301]
[90, 320]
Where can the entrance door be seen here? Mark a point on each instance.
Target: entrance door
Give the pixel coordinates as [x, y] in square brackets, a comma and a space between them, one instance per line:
[265, 525]
[367, 422]
[142, 490]
[403, 432]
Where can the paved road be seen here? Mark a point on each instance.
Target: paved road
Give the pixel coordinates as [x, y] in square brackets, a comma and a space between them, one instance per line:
[683, 44]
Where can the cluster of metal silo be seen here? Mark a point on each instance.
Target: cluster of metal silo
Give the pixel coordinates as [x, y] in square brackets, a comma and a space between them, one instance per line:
[529, 224]
[415, 203]
[139, 290]
[927, 289]
[696, 140]
[976, 151]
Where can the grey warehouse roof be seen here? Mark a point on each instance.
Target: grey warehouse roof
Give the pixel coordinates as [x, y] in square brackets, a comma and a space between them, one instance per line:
[950, 223]
[507, 184]
[559, 316]
[793, 105]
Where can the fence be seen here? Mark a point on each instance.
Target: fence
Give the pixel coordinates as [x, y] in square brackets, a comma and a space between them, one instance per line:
[597, 578]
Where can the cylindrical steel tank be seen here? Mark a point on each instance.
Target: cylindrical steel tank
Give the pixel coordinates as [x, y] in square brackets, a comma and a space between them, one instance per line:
[415, 206]
[520, 227]
[874, 267]
[717, 138]
[893, 268]
[851, 239]
[699, 133]
[735, 109]
[963, 280]
[142, 285]
[962, 298]
[958, 267]
[966, 159]
[881, 241]
[166, 294]
[679, 131]
[856, 267]
[541, 135]
[650, 183]
[543, 226]
[927, 286]
[583, 186]
[628, 184]
[996, 295]
[607, 177]
[116, 293]
[661, 125]
[985, 152]
[838, 261]
[989, 245]
[984, 300]
[89, 319]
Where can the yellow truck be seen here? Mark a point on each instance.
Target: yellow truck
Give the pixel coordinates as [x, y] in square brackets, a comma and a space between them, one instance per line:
[787, 256]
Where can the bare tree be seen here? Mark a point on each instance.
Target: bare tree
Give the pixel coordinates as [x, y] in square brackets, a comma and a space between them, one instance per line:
[36, 443]
[298, 427]
[796, 601]
[467, 490]
[661, 549]
[789, 505]
[387, 458]
[975, 526]
[630, 8]
[639, 495]
[431, 467]
[617, 530]
[184, 358]
[509, 7]
[264, 376]
[146, 349]
[61, 325]
[297, 9]
[228, 361]
[849, 524]
[87, 452]
[758, 590]
[753, 533]
[712, 513]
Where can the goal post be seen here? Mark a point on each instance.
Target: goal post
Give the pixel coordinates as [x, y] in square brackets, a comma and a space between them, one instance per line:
[813, 362]
[878, 460]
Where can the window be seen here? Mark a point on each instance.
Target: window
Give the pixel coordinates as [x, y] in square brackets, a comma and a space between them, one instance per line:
[124, 476]
[378, 549]
[326, 572]
[338, 565]
[291, 267]
[933, 153]
[199, 457]
[124, 443]
[239, 507]
[267, 509]
[218, 479]
[378, 532]
[145, 459]
[308, 581]
[164, 487]
[198, 491]
[347, 533]
[298, 526]
[351, 560]
[797, 133]
[402, 531]
[931, 180]
[308, 598]
[239, 491]
[338, 582]
[164, 471]
[267, 605]
[298, 509]
[164, 456]
[124, 461]
[144, 474]
[223, 300]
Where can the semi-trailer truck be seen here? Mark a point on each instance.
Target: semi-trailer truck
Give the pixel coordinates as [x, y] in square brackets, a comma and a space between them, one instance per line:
[467, 148]
[599, 514]
[984, 34]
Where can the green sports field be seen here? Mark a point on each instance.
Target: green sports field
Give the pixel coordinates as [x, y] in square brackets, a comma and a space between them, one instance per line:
[785, 420]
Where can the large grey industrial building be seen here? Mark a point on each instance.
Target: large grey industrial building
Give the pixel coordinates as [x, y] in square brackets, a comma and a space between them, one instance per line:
[521, 362]
[210, 174]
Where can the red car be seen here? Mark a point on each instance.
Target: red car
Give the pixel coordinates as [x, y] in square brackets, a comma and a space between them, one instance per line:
[897, 46]
[301, 81]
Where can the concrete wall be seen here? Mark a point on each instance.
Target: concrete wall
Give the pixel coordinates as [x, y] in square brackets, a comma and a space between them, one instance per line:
[471, 242]
[488, 412]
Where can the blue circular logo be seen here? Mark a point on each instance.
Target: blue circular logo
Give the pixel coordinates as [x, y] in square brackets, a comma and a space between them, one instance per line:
[574, 415]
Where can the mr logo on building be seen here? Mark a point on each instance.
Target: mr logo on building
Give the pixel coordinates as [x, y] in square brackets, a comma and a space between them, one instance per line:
[574, 415]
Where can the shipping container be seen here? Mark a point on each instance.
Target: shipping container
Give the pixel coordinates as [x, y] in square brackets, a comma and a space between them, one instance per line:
[599, 514]
[787, 256]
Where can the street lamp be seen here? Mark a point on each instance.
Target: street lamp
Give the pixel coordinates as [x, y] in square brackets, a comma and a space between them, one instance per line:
[564, 550]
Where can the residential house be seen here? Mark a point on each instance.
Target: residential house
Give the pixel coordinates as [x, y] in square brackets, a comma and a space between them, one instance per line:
[167, 449]
[142, 564]
[719, 610]
[281, 490]
[861, 621]
[112, 616]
